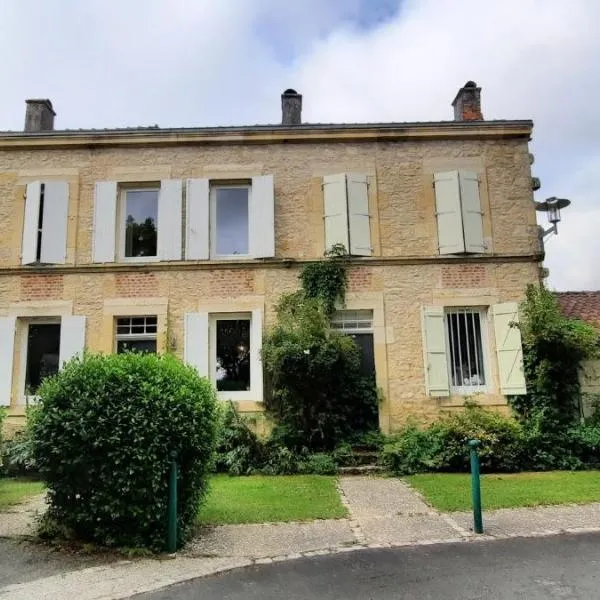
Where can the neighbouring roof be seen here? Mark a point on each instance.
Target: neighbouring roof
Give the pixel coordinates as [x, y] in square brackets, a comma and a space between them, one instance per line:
[581, 305]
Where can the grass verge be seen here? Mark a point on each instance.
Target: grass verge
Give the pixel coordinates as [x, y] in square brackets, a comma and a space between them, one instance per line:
[260, 499]
[14, 491]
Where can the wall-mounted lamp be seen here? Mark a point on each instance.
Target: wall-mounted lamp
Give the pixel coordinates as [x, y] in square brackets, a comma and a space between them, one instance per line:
[552, 206]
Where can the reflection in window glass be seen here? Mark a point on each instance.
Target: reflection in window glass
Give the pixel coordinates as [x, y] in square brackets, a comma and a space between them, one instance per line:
[43, 347]
[141, 215]
[136, 334]
[231, 207]
[466, 348]
[233, 355]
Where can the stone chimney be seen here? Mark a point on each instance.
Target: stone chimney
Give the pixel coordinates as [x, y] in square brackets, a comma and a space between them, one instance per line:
[291, 108]
[467, 104]
[39, 115]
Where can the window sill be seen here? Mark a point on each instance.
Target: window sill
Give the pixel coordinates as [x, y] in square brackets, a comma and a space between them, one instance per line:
[138, 259]
[238, 396]
[231, 257]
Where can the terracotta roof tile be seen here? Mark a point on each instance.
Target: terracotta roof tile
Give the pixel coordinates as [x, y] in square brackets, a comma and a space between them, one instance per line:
[581, 305]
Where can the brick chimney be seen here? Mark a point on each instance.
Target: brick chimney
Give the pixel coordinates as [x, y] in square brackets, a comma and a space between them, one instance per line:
[291, 108]
[467, 104]
[39, 115]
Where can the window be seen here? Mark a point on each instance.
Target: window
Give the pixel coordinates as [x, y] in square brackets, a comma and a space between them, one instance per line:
[139, 218]
[232, 360]
[38, 250]
[136, 334]
[42, 354]
[230, 224]
[465, 350]
[350, 321]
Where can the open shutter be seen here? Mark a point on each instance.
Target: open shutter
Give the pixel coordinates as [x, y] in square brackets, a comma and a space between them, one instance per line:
[72, 338]
[169, 219]
[30, 223]
[256, 366]
[437, 381]
[448, 212]
[509, 349]
[54, 222]
[197, 219]
[358, 214]
[262, 217]
[196, 342]
[335, 211]
[471, 211]
[105, 221]
[7, 348]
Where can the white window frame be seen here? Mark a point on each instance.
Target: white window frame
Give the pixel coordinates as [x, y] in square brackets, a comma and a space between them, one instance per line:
[26, 322]
[122, 212]
[252, 393]
[466, 390]
[213, 220]
[134, 337]
[344, 320]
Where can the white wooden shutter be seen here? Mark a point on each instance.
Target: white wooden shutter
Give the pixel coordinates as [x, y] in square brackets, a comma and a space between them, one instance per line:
[508, 349]
[54, 222]
[197, 219]
[196, 342]
[471, 211]
[448, 212]
[262, 217]
[169, 219]
[7, 348]
[105, 221]
[30, 223]
[256, 367]
[358, 214]
[72, 338]
[335, 211]
[437, 381]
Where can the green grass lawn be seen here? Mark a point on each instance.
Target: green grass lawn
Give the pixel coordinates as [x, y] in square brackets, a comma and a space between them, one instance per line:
[13, 491]
[258, 499]
[449, 491]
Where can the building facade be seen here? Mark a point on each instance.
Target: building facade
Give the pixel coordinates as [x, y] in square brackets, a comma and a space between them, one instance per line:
[184, 239]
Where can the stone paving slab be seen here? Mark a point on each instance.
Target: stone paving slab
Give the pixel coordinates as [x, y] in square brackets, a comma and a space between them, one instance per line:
[20, 520]
[400, 530]
[271, 539]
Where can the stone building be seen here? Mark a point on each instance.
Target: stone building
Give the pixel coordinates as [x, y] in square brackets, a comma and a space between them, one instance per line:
[183, 239]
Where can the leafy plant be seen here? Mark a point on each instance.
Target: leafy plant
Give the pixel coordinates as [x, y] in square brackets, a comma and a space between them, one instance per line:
[103, 437]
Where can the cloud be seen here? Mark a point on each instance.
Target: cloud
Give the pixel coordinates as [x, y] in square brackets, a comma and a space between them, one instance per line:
[107, 63]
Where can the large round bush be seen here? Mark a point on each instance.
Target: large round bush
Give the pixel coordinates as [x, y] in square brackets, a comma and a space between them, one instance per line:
[103, 436]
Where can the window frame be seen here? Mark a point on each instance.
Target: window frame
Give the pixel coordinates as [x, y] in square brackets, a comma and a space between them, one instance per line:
[483, 314]
[213, 255]
[133, 336]
[234, 396]
[122, 216]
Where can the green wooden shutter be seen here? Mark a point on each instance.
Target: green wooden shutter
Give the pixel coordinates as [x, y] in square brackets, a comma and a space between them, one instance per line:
[508, 349]
[448, 211]
[358, 214]
[30, 223]
[170, 202]
[437, 381]
[336, 211]
[54, 222]
[262, 217]
[471, 211]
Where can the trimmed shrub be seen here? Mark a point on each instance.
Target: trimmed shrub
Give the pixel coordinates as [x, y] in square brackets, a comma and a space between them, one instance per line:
[103, 436]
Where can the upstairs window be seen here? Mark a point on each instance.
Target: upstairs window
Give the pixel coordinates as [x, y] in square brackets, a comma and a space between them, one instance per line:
[136, 334]
[230, 220]
[139, 223]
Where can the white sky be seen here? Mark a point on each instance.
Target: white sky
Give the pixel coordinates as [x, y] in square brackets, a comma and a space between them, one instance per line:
[109, 63]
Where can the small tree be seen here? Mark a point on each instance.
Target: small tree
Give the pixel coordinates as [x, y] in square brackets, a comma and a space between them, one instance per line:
[103, 437]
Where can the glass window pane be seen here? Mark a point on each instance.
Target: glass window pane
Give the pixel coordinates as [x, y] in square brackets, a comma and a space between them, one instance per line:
[43, 347]
[136, 346]
[141, 214]
[233, 355]
[231, 221]
[466, 348]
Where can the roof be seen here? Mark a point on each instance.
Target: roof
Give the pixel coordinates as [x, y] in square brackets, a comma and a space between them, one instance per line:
[581, 305]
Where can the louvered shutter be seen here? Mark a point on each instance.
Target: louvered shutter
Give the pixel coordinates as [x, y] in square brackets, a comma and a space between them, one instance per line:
[262, 217]
[509, 349]
[448, 212]
[358, 214]
[54, 222]
[336, 211]
[30, 223]
[471, 211]
[105, 221]
[72, 338]
[7, 348]
[169, 219]
[437, 382]
[196, 342]
[197, 219]
[256, 366]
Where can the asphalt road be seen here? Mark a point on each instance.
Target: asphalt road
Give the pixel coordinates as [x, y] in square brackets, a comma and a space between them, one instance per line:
[561, 567]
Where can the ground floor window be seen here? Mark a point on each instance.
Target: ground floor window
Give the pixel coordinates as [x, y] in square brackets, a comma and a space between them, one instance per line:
[42, 354]
[232, 360]
[358, 324]
[136, 334]
[465, 341]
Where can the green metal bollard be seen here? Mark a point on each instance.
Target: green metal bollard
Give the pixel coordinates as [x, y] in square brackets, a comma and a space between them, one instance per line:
[476, 487]
[172, 507]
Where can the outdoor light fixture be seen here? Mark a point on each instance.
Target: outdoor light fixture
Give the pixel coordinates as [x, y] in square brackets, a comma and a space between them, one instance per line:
[552, 206]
